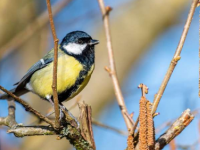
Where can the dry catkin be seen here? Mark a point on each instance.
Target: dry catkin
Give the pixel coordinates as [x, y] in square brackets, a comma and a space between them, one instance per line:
[130, 142]
[143, 145]
[151, 130]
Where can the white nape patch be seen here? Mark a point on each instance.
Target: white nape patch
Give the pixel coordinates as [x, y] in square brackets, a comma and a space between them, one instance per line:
[42, 61]
[74, 48]
[29, 87]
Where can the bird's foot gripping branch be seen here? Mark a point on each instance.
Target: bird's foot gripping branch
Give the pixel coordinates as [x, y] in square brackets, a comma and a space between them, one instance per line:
[80, 138]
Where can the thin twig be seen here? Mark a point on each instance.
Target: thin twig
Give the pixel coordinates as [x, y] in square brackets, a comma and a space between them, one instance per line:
[113, 73]
[144, 89]
[135, 126]
[172, 145]
[175, 58]
[28, 107]
[54, 84]
[99, 124]
[130, 118]
[31, 29]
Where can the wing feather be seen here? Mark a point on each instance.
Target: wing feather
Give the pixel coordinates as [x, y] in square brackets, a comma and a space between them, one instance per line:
[37, 66]
[48, 58]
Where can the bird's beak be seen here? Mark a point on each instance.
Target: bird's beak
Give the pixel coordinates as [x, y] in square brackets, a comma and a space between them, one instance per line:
[94, 42]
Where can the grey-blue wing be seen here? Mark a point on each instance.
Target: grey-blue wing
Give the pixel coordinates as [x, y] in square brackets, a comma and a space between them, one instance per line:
[20, 89]
[37, 66]
[48, 58]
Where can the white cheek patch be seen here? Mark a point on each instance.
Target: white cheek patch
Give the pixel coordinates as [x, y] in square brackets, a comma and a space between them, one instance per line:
[74, 48]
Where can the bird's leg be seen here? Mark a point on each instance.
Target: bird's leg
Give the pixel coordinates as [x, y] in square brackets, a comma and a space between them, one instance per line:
[50, 100]
[49, 114]
[62, 115]
[65, 109]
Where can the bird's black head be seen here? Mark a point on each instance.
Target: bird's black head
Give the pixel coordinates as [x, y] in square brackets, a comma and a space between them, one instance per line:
[78, 43]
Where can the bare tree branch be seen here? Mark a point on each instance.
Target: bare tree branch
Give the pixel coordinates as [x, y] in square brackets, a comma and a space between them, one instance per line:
[172, 145]
[99, 124]
[175, 129]
[69, 130]
[175, 58]
[55, 64]
[112, 70]
[71, 133]
[28, 107]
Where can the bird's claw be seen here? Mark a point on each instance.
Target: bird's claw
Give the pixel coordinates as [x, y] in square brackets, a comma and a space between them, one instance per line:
[62, 107]
[62, 115]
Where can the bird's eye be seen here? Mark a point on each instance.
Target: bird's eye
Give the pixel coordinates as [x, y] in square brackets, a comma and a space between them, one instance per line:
[80, 41]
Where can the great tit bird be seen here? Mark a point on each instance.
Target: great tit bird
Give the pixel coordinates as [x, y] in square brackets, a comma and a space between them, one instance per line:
[76, 59]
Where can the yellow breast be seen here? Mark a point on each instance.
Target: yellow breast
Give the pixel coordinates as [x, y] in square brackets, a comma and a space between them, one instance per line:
[84, 83]
[67, 72]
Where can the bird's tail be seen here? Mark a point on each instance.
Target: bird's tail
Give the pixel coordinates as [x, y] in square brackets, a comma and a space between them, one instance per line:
[14, 91]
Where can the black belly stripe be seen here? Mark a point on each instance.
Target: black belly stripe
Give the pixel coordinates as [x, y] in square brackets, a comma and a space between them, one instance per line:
[87, 60]
[68, 92]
